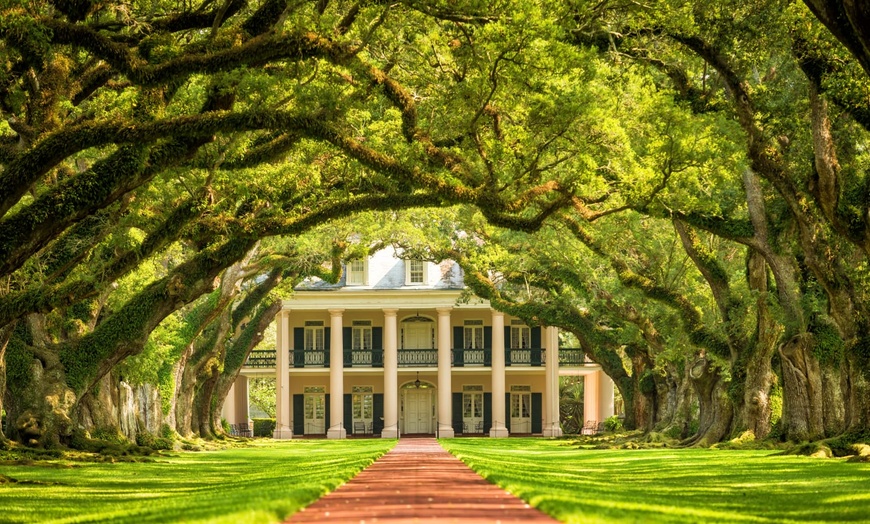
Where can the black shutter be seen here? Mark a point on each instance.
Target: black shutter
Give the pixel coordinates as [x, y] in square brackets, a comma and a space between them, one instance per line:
[536, 337]
[537, 412]
[487, 412]
[487, 336]
[458, 345]
[348, 413]
[327, 342]
[298, 414]
[507, 346]
[507, 411]
[346, 341]
[298, 348]
[326, 411]
[457, 414]
[377, 338]
[378, 413]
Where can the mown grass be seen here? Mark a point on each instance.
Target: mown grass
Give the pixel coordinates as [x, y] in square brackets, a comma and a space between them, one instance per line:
[262, 483]
[670, 485]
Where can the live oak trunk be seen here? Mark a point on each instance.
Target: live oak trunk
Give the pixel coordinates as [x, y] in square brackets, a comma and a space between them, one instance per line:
[716, 410]
[676, 400]
[857, 402]
[802, 410]
[753, 366]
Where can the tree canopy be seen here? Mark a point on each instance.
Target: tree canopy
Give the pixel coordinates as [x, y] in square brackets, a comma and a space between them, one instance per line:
[681, 186]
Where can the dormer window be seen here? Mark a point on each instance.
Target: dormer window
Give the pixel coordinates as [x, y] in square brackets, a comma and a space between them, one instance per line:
[356, 273]
[415, 272]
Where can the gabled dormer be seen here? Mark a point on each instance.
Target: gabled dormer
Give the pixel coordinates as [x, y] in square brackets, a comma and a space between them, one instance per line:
[357, 272]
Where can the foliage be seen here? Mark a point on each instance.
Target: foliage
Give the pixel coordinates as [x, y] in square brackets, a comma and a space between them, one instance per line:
[264, 427]
[613, 424]
[584, 485]
[261, 393]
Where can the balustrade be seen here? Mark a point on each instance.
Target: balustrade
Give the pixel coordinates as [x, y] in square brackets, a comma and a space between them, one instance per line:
[535, 357]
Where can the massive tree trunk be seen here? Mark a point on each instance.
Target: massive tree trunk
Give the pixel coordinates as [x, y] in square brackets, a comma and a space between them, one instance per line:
[802, 410]
[716, 410]
[643, 398]
[857, 389]
[676, 401]
[752, 409]
[5, 336]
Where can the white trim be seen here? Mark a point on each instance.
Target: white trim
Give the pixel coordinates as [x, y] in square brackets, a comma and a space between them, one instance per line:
[367, 298]
[357, 277]
[424, 273]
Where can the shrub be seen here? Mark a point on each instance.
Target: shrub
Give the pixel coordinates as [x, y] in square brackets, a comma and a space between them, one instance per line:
[264, 427]
[613, 424]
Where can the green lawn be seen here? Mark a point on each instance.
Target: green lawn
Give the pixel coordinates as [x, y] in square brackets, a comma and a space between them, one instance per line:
[670, 485]
[262, 483]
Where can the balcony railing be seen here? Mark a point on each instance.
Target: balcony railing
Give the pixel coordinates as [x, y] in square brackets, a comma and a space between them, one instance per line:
[534, 357]
[364, 358]
[261, 359]
[572, 357]
[418, 358]
[472, 357]
[525, 357]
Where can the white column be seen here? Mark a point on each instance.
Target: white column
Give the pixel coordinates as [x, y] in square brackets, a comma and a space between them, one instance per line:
[336, 376]
[228, 412]
[283, 424]
[605, 396]
[391, 375]
[498, 428]
[551, 419]
[590, 396]
[445, 406]
[240, 399]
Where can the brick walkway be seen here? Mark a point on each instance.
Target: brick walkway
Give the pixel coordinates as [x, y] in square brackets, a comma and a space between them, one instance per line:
[418, 481]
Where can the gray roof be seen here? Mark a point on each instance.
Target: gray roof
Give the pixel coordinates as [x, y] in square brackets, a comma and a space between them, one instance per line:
[387, 271]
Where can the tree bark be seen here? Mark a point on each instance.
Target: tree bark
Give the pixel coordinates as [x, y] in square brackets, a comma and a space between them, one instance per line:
[753, 411]
[676, 398]
[716, 410]
[802, 413]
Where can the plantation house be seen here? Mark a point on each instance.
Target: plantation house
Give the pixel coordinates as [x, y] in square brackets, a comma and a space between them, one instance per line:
[395, 348]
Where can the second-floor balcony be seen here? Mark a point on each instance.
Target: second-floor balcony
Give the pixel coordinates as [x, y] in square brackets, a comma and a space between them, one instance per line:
[374, 358]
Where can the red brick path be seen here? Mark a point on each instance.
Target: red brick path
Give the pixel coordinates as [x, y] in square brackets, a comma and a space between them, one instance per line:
[417, 481]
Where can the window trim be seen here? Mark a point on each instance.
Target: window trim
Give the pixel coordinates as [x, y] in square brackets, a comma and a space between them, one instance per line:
[361, 274]
[408, 272]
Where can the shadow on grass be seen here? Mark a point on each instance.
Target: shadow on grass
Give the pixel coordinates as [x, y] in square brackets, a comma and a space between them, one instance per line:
[667, 485]
[263, 483]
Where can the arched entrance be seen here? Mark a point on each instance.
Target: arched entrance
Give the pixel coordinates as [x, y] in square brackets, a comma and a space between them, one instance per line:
[418, 407]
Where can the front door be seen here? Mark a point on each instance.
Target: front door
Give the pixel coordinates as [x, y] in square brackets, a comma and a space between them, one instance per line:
[521, 412]
[315, 413]
[472, 409]
[418, 411]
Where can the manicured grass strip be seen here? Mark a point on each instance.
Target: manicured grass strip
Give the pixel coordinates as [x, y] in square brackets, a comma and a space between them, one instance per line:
[258, 484]
[670, 485]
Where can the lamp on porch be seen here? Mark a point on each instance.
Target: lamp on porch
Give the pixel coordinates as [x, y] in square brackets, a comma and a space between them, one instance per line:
[417, 382]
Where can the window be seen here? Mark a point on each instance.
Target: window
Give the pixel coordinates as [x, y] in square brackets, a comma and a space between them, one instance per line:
[473, 336]
[361, 334]
[521, 409]
[314, 335]
[416, 272]
[356, 273]
[521, 336]
[363, 402]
